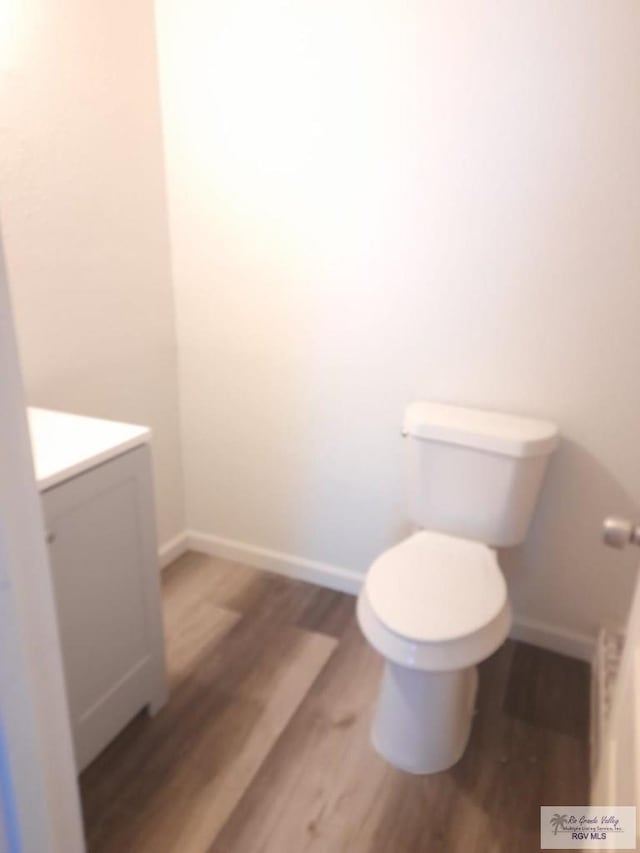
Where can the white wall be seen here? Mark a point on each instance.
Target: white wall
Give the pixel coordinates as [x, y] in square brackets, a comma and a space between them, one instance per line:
[84, 219]
[374, 202]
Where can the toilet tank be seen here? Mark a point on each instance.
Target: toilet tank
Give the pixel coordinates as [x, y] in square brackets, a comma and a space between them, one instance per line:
[475, 474]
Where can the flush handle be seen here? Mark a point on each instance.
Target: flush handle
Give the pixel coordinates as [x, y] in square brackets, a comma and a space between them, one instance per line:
[618, 532]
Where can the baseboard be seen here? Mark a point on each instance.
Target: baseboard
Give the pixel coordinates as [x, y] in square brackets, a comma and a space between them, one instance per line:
[527, 630]
[565, 642]
[323, 574]
[171, 550]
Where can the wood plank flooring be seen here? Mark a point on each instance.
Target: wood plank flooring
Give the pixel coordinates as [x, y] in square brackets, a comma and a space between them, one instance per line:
[264, 744]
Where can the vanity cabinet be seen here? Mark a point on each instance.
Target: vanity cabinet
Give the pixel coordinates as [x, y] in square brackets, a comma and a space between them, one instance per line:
[102, 544]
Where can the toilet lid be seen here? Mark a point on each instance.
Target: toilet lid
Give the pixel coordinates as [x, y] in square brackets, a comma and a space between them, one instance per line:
[433, 587]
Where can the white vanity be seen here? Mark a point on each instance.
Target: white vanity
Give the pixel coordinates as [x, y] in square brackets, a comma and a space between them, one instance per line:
[97, 496]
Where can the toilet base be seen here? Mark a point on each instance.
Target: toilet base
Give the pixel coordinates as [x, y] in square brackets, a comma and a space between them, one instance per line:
[423, 719]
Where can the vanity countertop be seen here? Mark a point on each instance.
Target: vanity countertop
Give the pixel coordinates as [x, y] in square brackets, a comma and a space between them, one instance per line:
[65, 445]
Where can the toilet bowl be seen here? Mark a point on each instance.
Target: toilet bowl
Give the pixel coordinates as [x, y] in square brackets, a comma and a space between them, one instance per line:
[436, 604]
[433, 606]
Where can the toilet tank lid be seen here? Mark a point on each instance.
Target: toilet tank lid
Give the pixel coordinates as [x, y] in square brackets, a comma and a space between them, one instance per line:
[510, 435]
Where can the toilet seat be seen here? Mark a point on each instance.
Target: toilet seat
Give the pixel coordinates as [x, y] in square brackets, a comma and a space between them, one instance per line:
[432, 587]
[435, 602]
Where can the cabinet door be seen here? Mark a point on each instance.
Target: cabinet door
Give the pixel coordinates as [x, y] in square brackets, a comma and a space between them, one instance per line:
[103, 556]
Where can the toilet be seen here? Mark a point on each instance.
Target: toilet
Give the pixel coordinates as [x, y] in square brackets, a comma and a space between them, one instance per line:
[436, 605]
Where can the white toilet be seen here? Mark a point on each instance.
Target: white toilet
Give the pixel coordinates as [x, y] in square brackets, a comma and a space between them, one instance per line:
[436, 604]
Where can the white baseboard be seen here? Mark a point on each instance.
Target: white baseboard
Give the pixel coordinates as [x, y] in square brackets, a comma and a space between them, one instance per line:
[323, 574]
[565, 642]
[171, 550]
[527, 630]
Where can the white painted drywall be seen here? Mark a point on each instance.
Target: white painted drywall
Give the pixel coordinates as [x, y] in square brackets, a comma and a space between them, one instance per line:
[376, 202]
[84, 218]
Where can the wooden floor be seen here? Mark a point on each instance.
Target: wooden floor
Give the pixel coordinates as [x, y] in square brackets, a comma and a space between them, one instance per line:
[263, 746]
